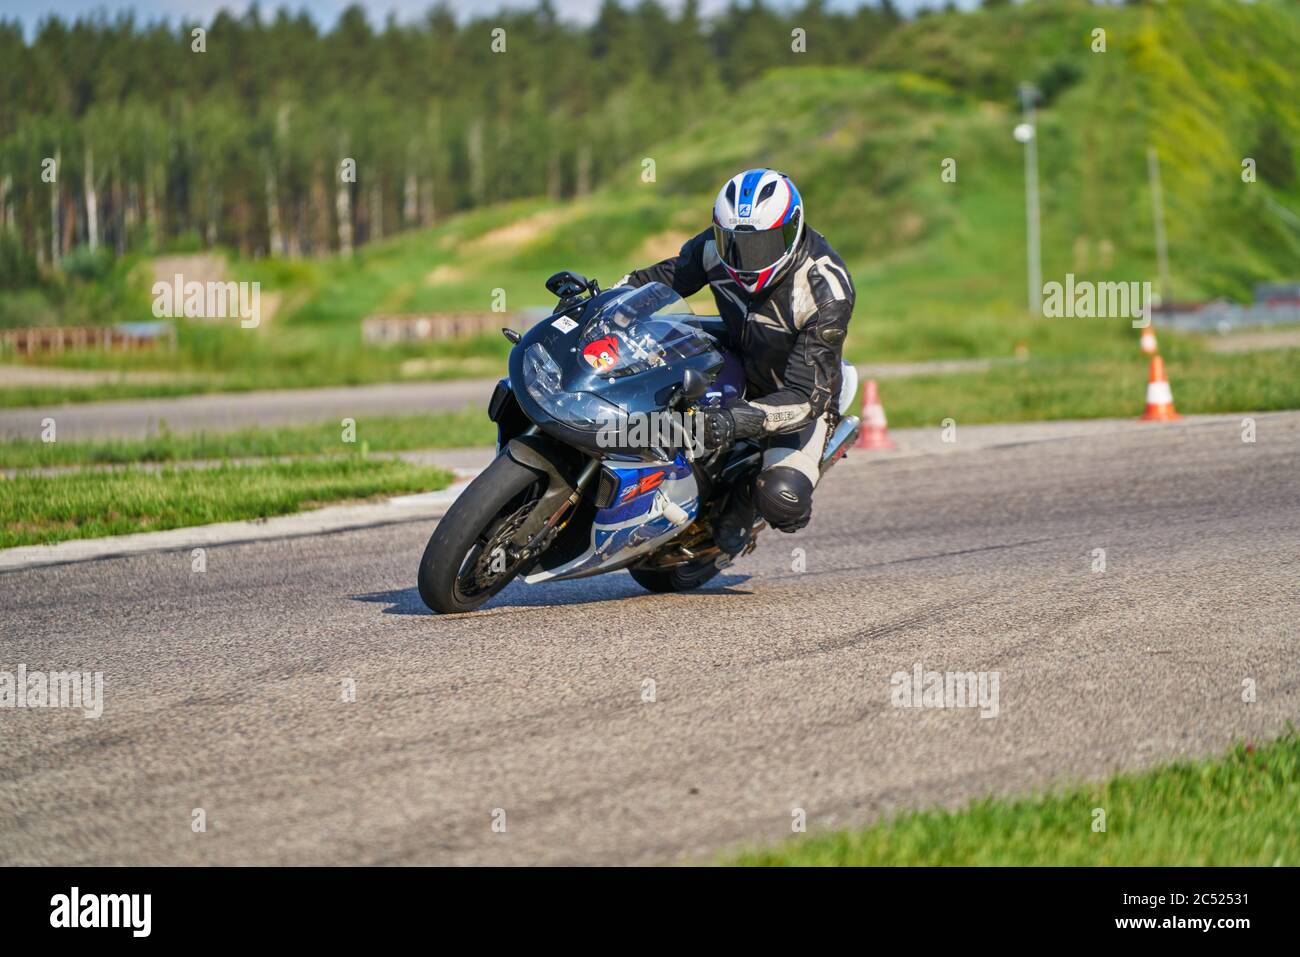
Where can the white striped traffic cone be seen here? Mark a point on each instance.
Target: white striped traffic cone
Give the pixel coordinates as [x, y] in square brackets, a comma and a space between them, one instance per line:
[875, 429]
[1160, 398]
[1149, 340]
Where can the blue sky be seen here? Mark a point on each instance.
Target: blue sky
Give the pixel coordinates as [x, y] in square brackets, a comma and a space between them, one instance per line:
[30, 12]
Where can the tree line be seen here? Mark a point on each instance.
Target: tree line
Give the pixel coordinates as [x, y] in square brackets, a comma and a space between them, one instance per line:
[269, 134]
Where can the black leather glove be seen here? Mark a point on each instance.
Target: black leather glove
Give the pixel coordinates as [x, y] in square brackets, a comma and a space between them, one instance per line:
[721, 427]
[717, 429]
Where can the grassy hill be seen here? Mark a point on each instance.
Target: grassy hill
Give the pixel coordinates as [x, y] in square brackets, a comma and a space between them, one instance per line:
[939, 266]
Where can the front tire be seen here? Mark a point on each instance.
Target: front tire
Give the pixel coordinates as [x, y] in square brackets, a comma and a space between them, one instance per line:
[458, 572]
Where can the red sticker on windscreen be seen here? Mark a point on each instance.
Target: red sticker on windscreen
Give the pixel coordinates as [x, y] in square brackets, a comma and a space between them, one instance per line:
[601, 354]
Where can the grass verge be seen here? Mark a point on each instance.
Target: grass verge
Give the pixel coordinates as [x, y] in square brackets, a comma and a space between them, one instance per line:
[317, 358]
[38, 510]
[377, 434]
[1040, 389]
[1234, 810]
[1045, 389]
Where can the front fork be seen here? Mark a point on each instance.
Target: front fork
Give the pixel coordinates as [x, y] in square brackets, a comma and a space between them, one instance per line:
[545, 521]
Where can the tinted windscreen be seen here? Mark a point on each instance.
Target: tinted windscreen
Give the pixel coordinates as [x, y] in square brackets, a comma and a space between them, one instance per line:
[643, 329]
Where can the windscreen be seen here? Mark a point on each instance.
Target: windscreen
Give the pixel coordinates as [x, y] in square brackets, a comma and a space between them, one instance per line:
[645, 328]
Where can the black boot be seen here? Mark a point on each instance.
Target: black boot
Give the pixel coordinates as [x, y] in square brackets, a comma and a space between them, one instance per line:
[734, 529]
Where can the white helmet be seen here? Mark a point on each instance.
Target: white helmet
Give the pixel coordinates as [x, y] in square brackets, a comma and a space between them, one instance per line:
[757, 225]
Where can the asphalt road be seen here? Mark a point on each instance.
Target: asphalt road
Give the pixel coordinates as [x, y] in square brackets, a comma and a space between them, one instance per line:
[772, 688]
[138, 418]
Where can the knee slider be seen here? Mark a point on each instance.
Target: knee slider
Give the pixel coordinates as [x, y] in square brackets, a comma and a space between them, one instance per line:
[784, 498]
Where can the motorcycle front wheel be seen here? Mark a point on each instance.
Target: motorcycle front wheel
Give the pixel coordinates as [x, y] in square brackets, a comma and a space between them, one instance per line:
[467, 560]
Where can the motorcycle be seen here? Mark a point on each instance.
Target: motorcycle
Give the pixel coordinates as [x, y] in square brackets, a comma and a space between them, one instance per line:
[581, 485]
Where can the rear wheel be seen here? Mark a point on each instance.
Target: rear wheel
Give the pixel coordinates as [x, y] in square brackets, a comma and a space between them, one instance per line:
[678, 577]
[468, 558]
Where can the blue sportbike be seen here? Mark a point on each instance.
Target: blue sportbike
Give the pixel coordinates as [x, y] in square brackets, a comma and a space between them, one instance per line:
[596, 467]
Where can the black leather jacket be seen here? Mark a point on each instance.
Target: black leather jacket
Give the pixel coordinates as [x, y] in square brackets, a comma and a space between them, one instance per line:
[790, 335]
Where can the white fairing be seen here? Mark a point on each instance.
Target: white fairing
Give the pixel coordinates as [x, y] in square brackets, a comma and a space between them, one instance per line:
[850, 387]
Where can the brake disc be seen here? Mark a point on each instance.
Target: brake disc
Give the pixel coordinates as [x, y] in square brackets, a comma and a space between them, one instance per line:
[483, 575]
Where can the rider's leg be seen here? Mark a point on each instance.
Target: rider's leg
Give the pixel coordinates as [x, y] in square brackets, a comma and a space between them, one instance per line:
[782, 492]
[735, 527]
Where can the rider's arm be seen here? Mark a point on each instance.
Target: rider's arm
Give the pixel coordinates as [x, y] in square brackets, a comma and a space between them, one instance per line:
[810, 375]
[683, 272]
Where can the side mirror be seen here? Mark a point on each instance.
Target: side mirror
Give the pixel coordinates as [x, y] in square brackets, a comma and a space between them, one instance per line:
[694, 385]
[565, 284]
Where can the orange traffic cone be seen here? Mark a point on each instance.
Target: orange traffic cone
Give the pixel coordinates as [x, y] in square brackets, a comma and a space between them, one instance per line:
[875, 430]
[1160, 399]
[1149, 340]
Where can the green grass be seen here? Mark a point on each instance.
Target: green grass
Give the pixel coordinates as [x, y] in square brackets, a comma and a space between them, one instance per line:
[1044, 389]
[32, 396]
[318, 359]
[1033, 390]
[377, 434]
[1235, 810]
[939, 266]
[39, 510]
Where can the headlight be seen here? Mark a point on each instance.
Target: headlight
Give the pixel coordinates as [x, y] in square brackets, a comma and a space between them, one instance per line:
[577, 409]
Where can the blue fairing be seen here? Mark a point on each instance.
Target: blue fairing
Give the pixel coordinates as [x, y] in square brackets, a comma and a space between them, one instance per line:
[729, 384]
[640, 518]
[627, 502]
[610, 542]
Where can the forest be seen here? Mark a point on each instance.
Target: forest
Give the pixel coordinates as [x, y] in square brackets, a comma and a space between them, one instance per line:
[268, 134]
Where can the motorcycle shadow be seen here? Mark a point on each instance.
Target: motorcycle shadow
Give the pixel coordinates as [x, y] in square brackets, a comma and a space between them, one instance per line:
[518, 596]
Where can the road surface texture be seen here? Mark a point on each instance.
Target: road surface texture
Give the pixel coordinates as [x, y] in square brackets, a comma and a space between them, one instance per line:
[139, 418]
[224, 411]
[223, 690]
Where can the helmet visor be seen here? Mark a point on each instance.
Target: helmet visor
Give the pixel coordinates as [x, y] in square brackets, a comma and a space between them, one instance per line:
[749, 250]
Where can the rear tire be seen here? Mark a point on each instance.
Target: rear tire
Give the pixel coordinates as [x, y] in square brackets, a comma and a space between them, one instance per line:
[503, 492]
[677, 578]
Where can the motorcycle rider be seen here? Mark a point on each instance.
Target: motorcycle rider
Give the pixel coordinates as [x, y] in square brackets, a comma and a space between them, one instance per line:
[786, 298]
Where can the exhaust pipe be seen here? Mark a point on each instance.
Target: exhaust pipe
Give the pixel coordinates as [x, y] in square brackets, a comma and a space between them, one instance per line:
[845, 434]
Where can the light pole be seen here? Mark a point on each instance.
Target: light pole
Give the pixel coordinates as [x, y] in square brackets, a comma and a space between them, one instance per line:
[1158, 217]
[1027, 133]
